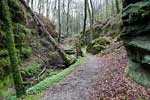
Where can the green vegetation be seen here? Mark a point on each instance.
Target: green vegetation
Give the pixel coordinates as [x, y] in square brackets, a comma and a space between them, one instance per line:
[4, 91]
[3, 53]
[26, 52]
[140, 99]
[7, 28]
[30, 70]
[52, 80]
[97, 45]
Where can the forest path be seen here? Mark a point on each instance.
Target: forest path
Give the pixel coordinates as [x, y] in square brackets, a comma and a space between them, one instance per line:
[99, 77]
[78, 84]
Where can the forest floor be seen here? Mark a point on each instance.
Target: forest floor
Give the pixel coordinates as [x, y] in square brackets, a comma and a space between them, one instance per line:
[99, 77]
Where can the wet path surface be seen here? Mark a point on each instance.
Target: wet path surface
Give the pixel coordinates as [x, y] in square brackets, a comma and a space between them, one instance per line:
[76, 85]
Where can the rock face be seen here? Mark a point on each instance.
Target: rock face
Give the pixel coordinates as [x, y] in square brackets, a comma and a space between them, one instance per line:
[136, 37]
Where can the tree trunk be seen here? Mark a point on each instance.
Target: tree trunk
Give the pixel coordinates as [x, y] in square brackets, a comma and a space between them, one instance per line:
[7, 28]
[117, 6]
[59, 23]
[107, 7]
[28, 2]
[68, 11]
[85, 18]
[91, 21]
[112, 8]
[32, 5]
[92, 12]
[44, 30]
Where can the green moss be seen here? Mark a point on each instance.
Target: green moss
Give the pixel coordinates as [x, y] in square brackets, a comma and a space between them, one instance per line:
[30, 71]
[3, 53]
[21, 29]
[4, 62]
[52, 80]
[26, 52]
[5, 90]
[7, 28]
[140, 99]
[17, 12]
[97, 45]
[31, 97]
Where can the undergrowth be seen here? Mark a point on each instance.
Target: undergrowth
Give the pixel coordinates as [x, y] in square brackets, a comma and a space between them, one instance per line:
[34, 93]
[51, 80]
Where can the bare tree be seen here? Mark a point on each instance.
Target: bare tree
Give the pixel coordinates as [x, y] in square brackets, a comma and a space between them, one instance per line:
[85, 19]
[92, 12]
[68, 12]
[59, 23]
[117, 6]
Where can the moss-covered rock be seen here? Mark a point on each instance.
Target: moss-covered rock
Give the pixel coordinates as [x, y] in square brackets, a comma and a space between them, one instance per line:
[54, 59]
[136, 22]
[110, 28]
[17, 13]
[97, 45]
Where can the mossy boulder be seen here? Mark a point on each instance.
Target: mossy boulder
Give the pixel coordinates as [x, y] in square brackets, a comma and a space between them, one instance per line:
[97, 45]
[111, 27]
[54, 58]
[136, 22]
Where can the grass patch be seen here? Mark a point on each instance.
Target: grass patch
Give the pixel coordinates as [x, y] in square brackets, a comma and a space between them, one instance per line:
[53, 79]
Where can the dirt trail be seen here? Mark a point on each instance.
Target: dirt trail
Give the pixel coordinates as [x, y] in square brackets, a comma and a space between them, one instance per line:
[77, 85]
[99, 78]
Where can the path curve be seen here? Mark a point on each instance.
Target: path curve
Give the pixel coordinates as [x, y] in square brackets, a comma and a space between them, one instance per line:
[78, 84]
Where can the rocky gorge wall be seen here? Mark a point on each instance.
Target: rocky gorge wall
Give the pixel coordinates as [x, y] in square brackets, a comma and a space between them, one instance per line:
[136, 37]
[29, 41]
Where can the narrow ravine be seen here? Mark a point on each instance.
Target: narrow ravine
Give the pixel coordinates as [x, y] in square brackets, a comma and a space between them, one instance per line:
[99, 77]
[77, 85]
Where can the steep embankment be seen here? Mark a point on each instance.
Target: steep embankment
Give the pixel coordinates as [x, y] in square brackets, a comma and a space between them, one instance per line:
[33, 49]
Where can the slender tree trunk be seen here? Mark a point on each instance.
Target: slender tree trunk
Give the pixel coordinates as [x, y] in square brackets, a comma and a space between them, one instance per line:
[91, 21]
[28, 2]
[117, 6]
[112, 9]
[106, 5]
[59, 23]
[44, 30]
[32, 1]
[85, 18]
[92, 12]
[54, 10]
[47, 8]
[7, 28]
[68, 11]
[40, 6]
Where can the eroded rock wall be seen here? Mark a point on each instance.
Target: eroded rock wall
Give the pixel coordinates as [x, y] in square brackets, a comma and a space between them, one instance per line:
[136, 37]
